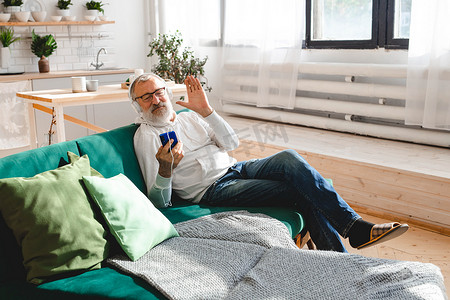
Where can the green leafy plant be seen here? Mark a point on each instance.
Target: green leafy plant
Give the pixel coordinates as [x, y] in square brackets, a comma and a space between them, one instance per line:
[43, 45]
[7, 3]
[7, 36]
[98, 5]
[176, 62]
[64, 4]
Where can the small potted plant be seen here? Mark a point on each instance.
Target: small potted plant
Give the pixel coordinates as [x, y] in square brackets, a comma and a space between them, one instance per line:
[176, 62]
[63, 7]
[93, 8]
[6, 38]
[12, 6]
[43, 47]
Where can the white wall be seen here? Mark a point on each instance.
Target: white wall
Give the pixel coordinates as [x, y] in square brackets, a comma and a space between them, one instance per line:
[131, 38]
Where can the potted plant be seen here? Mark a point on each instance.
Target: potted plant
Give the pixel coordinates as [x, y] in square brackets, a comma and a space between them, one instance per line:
[175, 63]
[12, 6]
[94, 7]
[63, 7]
[43, 47]
[6, 38]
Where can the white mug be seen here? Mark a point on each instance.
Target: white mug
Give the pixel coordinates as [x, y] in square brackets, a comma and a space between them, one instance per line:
[78, 84]
[91, 85]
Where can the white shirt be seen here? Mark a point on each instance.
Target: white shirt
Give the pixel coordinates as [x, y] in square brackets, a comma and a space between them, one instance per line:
[205, 145]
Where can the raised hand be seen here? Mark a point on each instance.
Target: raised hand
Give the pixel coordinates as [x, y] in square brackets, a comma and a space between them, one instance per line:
[197, 100]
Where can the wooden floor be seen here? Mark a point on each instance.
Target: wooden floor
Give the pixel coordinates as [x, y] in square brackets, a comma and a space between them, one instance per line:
[415, 245]
[258, 137]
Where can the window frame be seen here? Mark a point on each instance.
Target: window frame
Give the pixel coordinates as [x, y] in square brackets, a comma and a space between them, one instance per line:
[383, 13]
[390, 41]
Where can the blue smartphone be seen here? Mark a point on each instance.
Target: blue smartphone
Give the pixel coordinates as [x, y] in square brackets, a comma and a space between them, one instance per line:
[165, 137]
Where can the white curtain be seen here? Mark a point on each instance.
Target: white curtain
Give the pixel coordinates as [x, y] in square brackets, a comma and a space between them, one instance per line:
[262, 38]
[261, 52]
[428, 81]
[199, 22]
[14, 129]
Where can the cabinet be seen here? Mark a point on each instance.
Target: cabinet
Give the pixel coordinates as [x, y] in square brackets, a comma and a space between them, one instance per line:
[13, 123]
[108, 116]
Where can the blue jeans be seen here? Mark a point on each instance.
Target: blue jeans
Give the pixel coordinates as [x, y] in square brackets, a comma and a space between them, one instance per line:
[287, 180]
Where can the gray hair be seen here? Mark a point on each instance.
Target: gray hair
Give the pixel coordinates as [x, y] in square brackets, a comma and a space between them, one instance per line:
[142, 78]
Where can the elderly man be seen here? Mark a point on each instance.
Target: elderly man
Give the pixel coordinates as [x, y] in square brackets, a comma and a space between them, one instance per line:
[198, 169]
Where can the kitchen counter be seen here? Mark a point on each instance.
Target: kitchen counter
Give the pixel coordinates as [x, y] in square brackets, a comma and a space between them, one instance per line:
[59, 74]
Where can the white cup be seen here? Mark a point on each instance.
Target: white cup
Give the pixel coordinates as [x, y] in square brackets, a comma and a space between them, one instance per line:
[91, 85]
[78, 84]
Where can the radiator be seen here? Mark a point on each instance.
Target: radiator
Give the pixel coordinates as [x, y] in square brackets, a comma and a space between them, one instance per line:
[365, 99]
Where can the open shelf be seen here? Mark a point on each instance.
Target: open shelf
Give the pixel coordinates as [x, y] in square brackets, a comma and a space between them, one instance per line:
[50, 23]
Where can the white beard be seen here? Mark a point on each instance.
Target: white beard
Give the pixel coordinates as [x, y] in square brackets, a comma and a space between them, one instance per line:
[162, 116]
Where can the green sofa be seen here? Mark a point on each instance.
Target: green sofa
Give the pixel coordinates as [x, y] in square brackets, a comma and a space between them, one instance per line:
[110, 153]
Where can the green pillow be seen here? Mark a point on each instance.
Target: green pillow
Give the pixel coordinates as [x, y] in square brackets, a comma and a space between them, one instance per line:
[73, 158]
[53, 222]
[137, 225]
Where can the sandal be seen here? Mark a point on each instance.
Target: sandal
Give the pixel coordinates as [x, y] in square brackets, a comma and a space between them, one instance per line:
[302, 238]
[384, 232]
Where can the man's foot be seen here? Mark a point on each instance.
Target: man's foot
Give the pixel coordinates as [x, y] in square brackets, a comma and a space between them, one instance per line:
[381, 233]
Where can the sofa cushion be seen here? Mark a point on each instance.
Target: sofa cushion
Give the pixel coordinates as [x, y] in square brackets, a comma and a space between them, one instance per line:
[136, 224]
[32, 162]
[25, 164]
[182, 210]
[112, 152]
[104, 283]
[53, 222]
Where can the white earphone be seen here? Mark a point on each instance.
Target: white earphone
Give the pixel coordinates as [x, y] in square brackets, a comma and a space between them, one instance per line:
[134, 103]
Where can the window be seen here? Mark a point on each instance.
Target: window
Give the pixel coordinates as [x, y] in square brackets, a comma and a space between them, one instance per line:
[268, 24]
[357, 24]
[200, 25]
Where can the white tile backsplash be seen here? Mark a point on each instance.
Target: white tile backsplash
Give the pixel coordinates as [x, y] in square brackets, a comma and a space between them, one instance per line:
[77, 47]
[61, 51]
[71, 59]
[21, 61]
[33, 68]
[38, 29]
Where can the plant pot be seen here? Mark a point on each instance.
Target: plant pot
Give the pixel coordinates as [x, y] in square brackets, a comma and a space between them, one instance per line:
[63, 12]
[92, 12]
[5, 57]
[44, 66]
[12, 10]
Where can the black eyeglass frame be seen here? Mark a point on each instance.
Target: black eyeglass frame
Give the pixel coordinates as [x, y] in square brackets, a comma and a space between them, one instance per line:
[149, 96]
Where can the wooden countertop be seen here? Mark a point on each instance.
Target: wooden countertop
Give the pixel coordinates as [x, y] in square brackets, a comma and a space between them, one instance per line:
[59, 74]
[104, 94]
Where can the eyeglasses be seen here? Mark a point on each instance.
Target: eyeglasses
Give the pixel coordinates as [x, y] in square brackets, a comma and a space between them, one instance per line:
[149, 96]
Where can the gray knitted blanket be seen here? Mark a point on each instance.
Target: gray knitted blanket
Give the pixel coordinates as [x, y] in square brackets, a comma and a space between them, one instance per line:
[239, 255]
